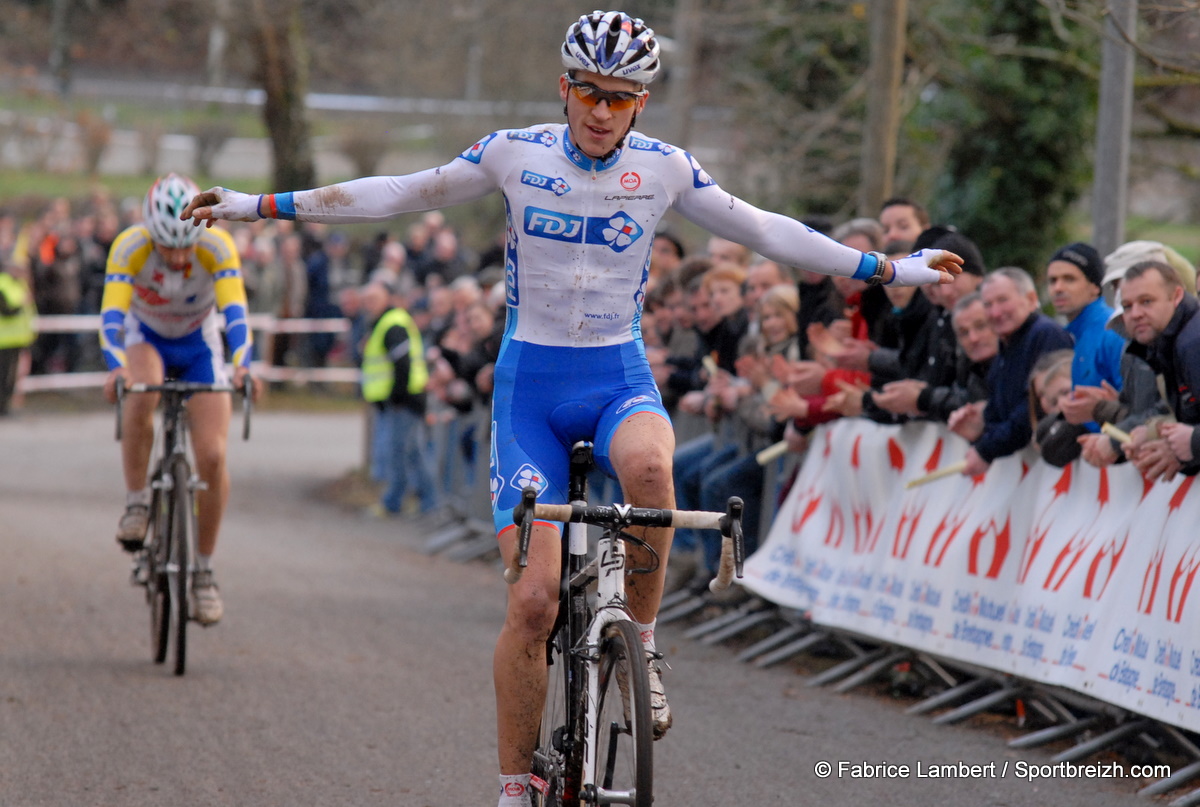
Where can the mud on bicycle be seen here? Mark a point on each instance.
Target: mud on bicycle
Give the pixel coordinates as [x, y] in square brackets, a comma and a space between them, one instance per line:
[595, 744]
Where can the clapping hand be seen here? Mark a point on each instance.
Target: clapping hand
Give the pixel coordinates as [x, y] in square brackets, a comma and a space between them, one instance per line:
[899, 397]
[1179, 438]
[1078, 407]
[967, 421]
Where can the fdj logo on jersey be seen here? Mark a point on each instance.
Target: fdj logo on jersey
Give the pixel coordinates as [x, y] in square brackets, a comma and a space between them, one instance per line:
[543, 138]
[529, 477]
[617, 232]
[556, 184]
[641, 144]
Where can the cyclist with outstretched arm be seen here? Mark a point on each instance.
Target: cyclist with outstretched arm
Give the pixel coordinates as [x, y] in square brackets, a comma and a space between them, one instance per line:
[582, 201]
[164, 284]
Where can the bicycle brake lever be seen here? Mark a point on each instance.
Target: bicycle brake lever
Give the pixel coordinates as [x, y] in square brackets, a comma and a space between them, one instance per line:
[120, 390]
[733, 517]
[247, 404]
[522, 515]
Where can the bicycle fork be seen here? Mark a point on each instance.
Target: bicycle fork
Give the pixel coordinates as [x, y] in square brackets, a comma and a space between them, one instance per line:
[165, 483]
[610, 608]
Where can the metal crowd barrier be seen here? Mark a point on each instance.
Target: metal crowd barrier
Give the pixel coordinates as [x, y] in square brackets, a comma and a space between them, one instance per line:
[259, 324]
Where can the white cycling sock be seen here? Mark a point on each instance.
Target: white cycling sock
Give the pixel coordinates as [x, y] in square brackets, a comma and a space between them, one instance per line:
[141, 497]
[203, 563]
[514, 790]
[647, 633]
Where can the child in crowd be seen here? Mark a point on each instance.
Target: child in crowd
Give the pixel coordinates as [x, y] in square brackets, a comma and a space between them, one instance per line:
[1049, 386]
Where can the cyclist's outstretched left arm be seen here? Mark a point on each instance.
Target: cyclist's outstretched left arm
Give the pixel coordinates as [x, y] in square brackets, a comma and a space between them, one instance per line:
[792, 243]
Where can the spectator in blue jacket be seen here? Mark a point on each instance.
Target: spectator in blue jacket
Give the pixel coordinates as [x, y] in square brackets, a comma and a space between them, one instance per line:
[1003, 427]
[1074, 277]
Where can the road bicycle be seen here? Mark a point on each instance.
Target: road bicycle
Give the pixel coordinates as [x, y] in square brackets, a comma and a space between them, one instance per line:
[595, 741]
[164, 565]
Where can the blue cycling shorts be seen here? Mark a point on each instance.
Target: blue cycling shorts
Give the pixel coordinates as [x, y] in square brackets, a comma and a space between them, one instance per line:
[199, 356]
[548, 398]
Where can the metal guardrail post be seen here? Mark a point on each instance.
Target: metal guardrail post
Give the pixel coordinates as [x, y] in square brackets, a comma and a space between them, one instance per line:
[1089, 747]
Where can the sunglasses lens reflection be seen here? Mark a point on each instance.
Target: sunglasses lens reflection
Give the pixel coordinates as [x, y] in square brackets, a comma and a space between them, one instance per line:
[592, 95]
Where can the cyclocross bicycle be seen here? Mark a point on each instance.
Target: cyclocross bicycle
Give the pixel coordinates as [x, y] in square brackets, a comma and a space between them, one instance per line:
[595, 742]
[164, 567]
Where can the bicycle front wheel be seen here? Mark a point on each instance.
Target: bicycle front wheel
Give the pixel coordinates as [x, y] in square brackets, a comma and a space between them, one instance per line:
[182, 526]
[158, 594]
[557, 759]
[624, 735]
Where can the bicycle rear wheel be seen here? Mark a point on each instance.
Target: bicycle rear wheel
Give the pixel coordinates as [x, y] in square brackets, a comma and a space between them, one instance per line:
[182, 527]
[624, 741]
[557, 752]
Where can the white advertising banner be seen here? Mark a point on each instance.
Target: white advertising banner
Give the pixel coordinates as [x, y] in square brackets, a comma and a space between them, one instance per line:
[1075, 576]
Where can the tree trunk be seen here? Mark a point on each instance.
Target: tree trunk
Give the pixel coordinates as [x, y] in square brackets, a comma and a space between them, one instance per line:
[60, 46]
[1110, 186]
[283, 71]
[887, 28]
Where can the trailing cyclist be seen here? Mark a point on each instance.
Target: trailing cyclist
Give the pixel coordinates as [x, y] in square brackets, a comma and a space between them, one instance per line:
[583, 200]
[164, 285]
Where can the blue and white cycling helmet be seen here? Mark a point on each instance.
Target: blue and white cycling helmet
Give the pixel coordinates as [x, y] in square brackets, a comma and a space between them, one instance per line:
[163, 205]
[612, 43]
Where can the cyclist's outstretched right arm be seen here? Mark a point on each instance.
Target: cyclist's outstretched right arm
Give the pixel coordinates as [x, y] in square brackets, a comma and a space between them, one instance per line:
[368, 199]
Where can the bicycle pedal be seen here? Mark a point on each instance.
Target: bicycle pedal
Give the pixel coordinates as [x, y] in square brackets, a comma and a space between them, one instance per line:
[196, 483]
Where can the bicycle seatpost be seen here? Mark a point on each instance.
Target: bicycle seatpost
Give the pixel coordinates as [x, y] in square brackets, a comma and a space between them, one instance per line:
[582, 462]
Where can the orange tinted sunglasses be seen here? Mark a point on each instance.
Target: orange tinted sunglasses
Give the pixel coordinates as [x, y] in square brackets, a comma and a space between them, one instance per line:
[592, 95]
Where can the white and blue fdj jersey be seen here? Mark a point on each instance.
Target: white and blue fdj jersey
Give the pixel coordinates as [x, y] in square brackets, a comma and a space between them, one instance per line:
[579, 233]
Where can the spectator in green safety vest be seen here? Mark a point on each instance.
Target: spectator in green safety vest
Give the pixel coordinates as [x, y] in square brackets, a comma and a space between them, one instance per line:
[394, 376]
[16, 329]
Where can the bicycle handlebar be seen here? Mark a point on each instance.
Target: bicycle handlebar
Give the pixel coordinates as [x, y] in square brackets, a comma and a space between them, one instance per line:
[622, 515]
[183, 387]
[619, 515]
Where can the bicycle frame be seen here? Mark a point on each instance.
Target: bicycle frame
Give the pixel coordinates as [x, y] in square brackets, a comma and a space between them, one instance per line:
[609, 606]
[588, 614]
[166, 565]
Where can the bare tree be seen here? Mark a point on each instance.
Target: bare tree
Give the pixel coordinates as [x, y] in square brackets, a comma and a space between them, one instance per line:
[282, 69]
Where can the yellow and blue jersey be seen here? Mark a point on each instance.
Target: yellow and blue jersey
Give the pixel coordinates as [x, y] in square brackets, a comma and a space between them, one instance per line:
[170, 302]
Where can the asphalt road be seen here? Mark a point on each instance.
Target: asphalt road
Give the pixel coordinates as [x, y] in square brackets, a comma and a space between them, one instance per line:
[351, 669]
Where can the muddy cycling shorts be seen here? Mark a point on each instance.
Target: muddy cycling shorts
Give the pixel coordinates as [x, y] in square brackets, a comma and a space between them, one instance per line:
[548, 398]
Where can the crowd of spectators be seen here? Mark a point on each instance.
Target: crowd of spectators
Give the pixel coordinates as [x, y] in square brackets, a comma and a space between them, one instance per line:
[1006, 357]
[747, 353]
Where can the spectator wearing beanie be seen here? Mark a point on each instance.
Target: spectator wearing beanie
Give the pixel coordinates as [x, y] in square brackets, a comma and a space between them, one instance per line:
[1074, 277]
